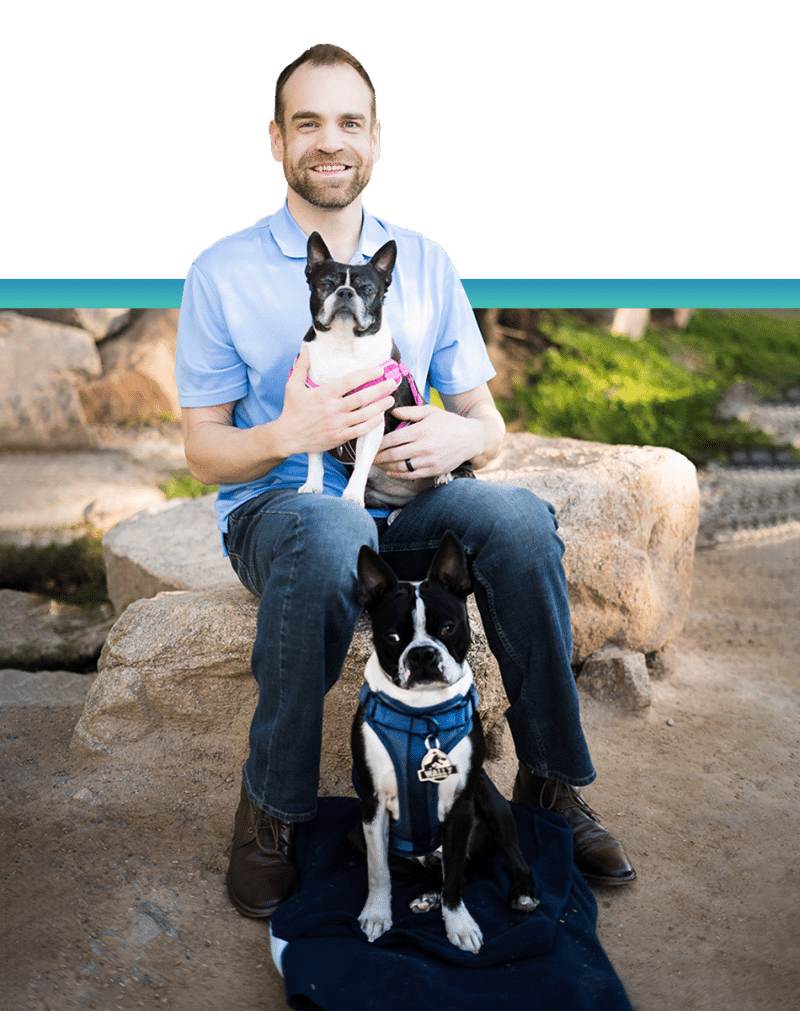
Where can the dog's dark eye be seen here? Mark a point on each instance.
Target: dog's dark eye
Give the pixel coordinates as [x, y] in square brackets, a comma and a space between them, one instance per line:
[446, 629]
[392, 637]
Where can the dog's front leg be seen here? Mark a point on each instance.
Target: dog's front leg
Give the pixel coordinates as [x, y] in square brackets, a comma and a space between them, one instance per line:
[314, 482]
[461, 929]
[366, 450]
[376, 916]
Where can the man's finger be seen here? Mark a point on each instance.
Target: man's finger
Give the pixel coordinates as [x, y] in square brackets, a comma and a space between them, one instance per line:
[413, 413]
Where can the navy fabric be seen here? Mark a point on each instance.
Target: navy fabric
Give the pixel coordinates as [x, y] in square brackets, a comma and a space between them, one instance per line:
[405, 733]
[550, 960]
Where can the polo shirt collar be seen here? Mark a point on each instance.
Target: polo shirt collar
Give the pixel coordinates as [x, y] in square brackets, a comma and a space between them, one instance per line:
[292, 240]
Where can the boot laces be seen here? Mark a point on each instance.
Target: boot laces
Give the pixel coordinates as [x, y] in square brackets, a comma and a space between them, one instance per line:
[565, 797]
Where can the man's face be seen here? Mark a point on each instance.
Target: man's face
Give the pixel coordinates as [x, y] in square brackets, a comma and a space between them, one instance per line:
[329, 141]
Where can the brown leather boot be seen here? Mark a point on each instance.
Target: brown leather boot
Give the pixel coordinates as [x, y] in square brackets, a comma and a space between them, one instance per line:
[598, 855]
[262, 873]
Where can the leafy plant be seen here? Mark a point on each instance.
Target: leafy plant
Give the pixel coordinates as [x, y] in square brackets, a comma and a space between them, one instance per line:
[661, 390]
[181, 484]
[73, 573]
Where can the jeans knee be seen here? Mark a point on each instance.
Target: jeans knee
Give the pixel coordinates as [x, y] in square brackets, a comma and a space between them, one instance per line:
[515, 521]
[327, 543]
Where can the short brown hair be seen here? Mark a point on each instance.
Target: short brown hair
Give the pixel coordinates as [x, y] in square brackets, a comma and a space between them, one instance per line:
[324, 54]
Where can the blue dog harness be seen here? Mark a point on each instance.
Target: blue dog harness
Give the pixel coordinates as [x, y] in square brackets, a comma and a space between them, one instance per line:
[416, 740]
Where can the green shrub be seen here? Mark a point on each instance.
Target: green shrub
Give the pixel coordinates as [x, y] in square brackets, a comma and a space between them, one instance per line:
[181, 484]
[662, 390]
[73, 573]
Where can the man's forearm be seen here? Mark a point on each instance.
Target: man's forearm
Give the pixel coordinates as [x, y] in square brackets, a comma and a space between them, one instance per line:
[493, 432]
[219, 453]
[478, 406]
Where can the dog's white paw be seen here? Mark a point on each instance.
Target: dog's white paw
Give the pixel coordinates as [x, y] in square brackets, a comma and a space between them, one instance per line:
[525, 904]
[442, 479]
[353, 495]
[462, 930]
[425, 903]
[310, 488]
[375, 919]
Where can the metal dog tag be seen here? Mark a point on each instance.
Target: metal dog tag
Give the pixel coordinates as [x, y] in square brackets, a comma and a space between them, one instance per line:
[436, 766]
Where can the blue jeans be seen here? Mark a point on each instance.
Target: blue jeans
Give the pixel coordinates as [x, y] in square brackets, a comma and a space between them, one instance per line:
[298, 554]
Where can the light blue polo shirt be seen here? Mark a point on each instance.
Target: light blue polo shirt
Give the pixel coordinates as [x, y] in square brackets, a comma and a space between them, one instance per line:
[245, 311]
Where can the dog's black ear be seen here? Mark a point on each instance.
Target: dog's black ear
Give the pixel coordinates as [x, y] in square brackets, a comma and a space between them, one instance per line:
[316, 252]
[449, 566]
[383, 261]
[375, 578]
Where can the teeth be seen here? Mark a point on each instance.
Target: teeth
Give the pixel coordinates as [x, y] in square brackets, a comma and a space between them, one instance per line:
[329, 168]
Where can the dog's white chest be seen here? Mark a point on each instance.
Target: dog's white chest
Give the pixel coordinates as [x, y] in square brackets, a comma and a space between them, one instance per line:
[337, 352]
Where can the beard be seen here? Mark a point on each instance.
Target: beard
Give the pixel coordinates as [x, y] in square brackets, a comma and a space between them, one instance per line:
[321, 193]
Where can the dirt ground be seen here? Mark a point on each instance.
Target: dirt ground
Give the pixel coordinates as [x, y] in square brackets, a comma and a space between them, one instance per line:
[113, 889]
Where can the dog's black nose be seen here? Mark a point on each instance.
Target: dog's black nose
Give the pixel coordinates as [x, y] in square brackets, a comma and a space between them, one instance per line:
[346, 293]
[424, 661]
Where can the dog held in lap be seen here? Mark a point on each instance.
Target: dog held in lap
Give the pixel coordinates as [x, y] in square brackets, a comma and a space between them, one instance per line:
[418, 746]
[348, 333]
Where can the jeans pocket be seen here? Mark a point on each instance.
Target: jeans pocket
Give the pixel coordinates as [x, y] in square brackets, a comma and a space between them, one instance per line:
[243, 573]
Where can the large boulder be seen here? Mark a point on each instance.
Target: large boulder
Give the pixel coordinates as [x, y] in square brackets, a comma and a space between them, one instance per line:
[40, 364]
[98, 322]
[627, 514]
[170, 546]
[38, 633]
[179, 664]
[138, 372]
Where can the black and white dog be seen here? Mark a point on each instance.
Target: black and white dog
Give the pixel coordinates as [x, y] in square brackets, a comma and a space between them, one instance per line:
[418, 746]
[348, 332]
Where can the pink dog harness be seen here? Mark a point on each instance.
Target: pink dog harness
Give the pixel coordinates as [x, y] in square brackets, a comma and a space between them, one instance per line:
[392, 369]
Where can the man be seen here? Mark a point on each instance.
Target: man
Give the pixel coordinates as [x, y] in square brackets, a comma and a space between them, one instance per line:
[244, 312]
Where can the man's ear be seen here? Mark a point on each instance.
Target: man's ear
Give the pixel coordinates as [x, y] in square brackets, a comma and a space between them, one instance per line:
[376, 140]
[276, 141]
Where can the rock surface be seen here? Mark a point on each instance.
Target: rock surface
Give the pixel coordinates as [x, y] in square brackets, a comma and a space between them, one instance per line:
[99, 323]
[37, 633]
[40, 364]
[170, 546]
[43, 688]
[99, 488]
[138, 372]
[628, 516]
[619, 676]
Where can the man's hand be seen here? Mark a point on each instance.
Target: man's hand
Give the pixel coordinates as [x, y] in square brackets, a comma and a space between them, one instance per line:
[312, 420]
[436, 441]
[316, 419]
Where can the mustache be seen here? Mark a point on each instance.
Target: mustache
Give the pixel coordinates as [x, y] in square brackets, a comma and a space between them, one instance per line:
[311, 160]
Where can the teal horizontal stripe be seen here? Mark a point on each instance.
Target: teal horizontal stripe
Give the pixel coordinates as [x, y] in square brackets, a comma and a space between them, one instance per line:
[490, 293]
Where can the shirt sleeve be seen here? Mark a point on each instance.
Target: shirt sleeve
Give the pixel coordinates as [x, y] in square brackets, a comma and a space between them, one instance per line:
[208, 368]
[460, 360]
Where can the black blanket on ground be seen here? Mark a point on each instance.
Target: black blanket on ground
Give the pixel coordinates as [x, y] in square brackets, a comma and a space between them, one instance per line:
[549, 960]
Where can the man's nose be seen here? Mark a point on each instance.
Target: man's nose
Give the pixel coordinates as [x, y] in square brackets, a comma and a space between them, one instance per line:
[328, 139]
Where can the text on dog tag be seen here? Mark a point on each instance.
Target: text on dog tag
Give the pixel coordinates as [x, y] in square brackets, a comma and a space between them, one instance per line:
[436, 766]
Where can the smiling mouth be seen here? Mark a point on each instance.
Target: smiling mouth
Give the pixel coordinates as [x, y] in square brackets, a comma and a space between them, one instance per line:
[330, 168]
